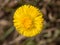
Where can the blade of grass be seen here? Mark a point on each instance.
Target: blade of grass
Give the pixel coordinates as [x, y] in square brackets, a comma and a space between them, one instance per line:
[10, 30]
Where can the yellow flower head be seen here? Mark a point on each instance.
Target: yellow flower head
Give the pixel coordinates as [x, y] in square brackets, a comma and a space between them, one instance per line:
[28, 20]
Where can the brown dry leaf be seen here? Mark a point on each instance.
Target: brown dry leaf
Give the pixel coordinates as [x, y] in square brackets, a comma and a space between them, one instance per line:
[47, 1]
[42, 42]
[5, 2]
[51, 18]
[43, 10]
[4, 22]
[58, 3]
[12, 4]
[2, 13]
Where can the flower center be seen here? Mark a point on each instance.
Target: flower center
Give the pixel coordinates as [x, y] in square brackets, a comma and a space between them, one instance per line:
[27, 22]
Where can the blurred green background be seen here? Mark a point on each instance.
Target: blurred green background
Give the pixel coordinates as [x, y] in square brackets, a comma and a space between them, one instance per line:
[50, 34]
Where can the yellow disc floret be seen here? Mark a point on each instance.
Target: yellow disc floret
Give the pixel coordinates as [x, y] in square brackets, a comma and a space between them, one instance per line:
[28, 20]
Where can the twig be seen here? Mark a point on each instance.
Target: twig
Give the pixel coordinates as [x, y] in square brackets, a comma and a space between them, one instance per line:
[50, 29]
[16, 40]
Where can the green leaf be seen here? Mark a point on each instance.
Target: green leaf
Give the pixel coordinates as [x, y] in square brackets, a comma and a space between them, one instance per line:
[29, 42]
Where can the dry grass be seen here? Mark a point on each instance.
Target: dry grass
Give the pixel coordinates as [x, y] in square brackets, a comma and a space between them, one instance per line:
[51, 32]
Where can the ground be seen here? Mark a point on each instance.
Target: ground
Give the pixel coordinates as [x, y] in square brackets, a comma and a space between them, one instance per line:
[51, 31]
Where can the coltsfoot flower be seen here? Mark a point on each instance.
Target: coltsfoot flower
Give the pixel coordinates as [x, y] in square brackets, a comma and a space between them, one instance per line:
[28, 20]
